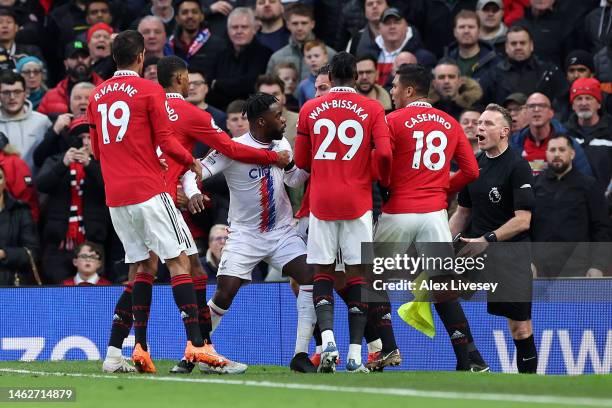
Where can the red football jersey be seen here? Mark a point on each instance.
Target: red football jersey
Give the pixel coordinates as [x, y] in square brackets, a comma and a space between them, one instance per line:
[424, 141]
[335, 138]
[128, 121]
[192, 124]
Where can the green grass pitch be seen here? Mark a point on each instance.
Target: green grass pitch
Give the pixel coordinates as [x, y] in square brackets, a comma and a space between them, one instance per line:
[271, 387]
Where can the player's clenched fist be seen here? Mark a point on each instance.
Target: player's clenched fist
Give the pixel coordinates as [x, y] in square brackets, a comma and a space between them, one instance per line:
[197, 203]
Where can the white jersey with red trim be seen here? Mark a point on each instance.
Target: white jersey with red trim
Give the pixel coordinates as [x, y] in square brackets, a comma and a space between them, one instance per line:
[258, 199]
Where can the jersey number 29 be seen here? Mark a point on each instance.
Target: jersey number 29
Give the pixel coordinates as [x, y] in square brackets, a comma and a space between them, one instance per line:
[430, 149]
[354, 142]
[110, 115]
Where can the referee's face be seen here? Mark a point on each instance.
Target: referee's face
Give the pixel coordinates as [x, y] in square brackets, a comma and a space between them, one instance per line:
[492, 132]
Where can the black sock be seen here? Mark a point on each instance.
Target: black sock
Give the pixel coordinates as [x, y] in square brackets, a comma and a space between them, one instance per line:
[317, 335]
[526, 355]
[381, 319]
[122, 318]
[184, 297]
[199, 284]
[323, 299]
[458, 329]
[357, 309]
[370, 334]
[141, 304]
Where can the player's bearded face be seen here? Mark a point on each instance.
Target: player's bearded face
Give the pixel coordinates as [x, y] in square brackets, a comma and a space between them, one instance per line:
[275, 122]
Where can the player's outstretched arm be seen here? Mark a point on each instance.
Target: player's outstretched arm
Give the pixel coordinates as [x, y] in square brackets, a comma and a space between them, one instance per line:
[294, 176]
[468, 166]
[303, 146]
[163, 134]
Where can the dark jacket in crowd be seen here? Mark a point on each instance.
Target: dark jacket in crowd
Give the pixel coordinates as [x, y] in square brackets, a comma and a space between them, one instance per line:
[205, 58]
[468, 96]
[217, 22]
[350, 21]
[57, 100]
[597, 25]
[569, 210]
[597, 145]
[487, 59]
[105, 67]
[17, 232]
[235, 74]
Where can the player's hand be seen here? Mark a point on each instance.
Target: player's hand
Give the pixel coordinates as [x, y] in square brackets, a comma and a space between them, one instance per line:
[163, 164]
[473, 247]
[196, 167]
[283, 159]
[69, 156]
[181, 198]
[594, 273]
[62, 122]
[197, 203]
[222, 7]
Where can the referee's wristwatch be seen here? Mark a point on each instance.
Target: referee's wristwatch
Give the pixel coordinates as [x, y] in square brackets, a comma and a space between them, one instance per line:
[490, 237]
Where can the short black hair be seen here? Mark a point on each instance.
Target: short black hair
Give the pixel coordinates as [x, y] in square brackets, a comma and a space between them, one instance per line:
[269, 80]
[90, 2]
[126, 47]
[449, 61]
[95, 248]
[167, 67]
[8, 12]
[11, 77]
[562, 135]
[193, 70]
[416, 76]
[324, 70]
[257, 105]
[517, 28]
[177, 4]
[343, 67]
[367, 57]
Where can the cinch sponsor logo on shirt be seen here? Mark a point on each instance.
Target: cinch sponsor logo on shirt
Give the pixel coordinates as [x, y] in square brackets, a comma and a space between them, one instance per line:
[116, 87]
[427, 117]
[259, 172]
[341, 103]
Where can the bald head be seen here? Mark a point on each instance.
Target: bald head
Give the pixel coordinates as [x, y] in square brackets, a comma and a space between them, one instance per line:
[154, 33]
[402, 58]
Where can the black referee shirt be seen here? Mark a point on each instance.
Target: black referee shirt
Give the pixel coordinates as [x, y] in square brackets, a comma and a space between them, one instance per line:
[504, 186]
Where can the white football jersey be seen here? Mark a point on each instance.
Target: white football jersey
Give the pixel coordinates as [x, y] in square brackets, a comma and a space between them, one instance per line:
[258, 199]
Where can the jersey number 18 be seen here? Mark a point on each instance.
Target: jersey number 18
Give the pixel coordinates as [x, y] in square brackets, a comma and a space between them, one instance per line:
[430, 149]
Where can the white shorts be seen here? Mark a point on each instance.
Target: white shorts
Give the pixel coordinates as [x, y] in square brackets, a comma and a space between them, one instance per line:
[246, 248]
[413, 228]
[302, 228]
[190, 245]
[325, 238]
[149, 226]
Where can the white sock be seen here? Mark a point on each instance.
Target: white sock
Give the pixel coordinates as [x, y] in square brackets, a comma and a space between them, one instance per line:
[327, 336]
[113, 352]
[307, 319]
[375, 346]
[355, 353]
[216, 313]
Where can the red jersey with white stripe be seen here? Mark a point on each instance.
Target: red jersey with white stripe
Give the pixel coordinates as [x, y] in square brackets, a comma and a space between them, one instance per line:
[335, 138]
[192, 124]
[128, 121]
[424, 141]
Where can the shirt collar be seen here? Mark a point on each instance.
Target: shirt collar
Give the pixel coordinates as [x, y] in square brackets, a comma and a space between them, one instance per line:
[419, 104]
[125, 72]
[174, 95]
[343, 89]
[92, 280]
[257, 141]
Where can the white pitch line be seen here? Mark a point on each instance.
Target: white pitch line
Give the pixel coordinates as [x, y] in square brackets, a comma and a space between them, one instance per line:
[402, 392]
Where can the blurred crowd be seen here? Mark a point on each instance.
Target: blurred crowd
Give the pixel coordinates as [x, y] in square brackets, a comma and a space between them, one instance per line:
[549, 62]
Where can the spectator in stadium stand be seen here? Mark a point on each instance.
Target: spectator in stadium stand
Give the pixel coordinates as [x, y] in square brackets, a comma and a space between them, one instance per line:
[149, 68]
[590, 128]
[597, 26]
[239, 65]
[532, 141]
[216, 241]
[18, 176]
[570, 208]
[473, 56]
[56, 138]
[515, 103]
[315, 55]
[88, 261]
[397, 36]
[363, 41]
[78, 69]
[492, 27]
[164, 10]
[152, 29]
[33, 71]
[10, 49]
[24, 127]
[603, 70]
[192, 40]
[287, 72]
[218, 11]
[272, 33]
[236, 123]
[99, 44]
[469, 123]
[578, 64]
[366, 82]
[451, 92]
[553, 33]
[30, 18]
[522, 71]
[514, 10]
[300, 22]
[404, 57]
[19, 244]
[76, 209]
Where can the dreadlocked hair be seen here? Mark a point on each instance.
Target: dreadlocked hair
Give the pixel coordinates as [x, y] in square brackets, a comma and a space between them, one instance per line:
[257, 105]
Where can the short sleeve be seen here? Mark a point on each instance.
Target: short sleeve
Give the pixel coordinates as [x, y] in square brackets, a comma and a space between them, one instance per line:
[521, 180]
[464, 199]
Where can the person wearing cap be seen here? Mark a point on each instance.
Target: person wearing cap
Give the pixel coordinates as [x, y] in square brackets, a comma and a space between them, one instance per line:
[76, 209]
[397, 36]
[99, 45]
[578, 64]
[33, 71]
[474, 57]
[78, 69]
[515, 103]
[492, 27]
[24, 127]
[591, 127]
[361, 42]
[10, 50]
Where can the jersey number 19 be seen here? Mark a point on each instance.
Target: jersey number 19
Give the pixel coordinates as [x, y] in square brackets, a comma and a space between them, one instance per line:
[110, 115]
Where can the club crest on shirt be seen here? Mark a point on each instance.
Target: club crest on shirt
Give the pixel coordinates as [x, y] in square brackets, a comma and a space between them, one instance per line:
[494, 195]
